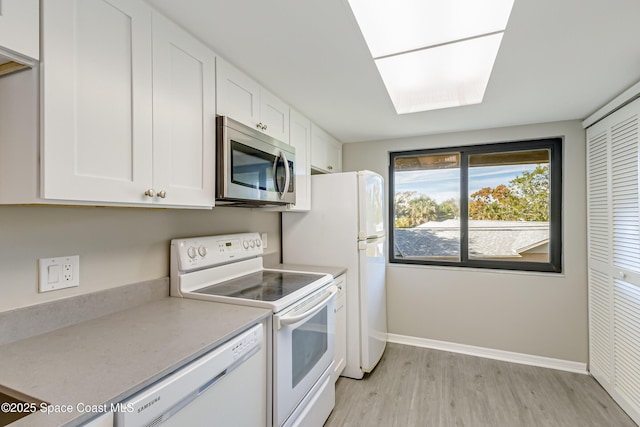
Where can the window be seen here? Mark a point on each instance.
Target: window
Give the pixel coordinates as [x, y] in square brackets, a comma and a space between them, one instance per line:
[487, 206]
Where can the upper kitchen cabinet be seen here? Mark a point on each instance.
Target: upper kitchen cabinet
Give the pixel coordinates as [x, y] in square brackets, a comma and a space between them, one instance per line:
[127, 102]
[300, 139]
[96, 97]
[300, 134]
[326, 151]
[183, 116]
[19, 34]
[244, 100]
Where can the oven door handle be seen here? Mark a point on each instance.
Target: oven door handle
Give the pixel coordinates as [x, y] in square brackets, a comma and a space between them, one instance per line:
[289, 320]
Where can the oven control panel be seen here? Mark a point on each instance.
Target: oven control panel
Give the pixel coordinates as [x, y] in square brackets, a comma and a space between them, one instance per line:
[207, 251]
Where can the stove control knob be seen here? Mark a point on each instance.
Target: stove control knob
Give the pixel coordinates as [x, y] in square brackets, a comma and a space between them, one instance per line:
[258, 242]
[191, 252]
[245, 244]
[202, 250]
[252, 243]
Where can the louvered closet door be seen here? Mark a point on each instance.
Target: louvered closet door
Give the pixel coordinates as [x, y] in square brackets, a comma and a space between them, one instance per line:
[600, 282]
[614, 255]
[626, 254]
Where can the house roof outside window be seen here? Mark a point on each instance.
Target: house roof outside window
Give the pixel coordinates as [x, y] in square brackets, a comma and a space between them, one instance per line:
[487, 239]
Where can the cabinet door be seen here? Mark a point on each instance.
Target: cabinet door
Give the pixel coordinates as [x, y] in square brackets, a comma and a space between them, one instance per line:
[300, 139]
[319, 141]
[19, 23]
[96, 100]
[341, 327]
[326, 151]
[274, 116]
[334, 155]
[183, 117]
[238, 96]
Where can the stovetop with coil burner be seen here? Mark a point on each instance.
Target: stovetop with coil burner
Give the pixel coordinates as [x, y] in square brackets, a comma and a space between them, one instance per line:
[265, 285]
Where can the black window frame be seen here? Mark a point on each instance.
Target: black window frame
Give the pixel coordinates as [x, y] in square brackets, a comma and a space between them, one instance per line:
[555, 147]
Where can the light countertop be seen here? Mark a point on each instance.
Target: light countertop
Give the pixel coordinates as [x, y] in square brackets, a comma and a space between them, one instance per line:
[108, 359]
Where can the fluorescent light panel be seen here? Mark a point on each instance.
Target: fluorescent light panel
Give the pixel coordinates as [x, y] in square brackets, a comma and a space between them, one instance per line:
[441, 77]
[433, 54]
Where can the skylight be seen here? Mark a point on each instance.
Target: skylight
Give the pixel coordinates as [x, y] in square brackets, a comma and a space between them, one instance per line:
[433, 54]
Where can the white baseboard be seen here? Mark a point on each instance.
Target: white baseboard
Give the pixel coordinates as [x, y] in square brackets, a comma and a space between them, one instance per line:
[489, 353]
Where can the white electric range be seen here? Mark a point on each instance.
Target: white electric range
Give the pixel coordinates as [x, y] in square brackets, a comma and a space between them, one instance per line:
[229, 269]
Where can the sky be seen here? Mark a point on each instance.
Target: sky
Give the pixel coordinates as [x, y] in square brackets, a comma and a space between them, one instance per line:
[444, 184]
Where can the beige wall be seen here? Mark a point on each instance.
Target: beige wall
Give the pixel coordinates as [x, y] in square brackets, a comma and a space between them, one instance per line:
[117, 246]
[532, 313]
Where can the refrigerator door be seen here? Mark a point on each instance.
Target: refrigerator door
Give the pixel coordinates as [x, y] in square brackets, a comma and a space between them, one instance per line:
[371, 205]
[373, 302]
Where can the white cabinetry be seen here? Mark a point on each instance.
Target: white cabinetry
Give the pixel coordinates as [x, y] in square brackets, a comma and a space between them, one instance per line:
[334, 155]
[614, 255]
[127, 107]
[183, 117]
[274, 115]
[96, 100]
[326, 151]
[300, 139]
[244, 100]
[341, 327]
[19, 34]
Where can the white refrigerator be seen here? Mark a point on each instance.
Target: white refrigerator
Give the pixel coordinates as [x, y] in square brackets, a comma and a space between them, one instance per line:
[346, 227]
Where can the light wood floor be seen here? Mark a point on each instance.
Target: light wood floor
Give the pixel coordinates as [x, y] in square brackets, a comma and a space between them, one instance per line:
[421, 387]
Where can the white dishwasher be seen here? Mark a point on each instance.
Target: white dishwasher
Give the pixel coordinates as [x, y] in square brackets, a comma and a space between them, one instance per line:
[225, 387]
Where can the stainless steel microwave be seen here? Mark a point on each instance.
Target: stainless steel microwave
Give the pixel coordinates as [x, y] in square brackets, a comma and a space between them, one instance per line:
[252, 168]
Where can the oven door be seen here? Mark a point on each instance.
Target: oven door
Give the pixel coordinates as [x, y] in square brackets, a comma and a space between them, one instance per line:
[255, 170]
[303, 349]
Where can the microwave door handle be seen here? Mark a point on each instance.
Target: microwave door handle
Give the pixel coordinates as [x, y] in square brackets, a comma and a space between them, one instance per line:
[289, 320]
[275, 174]
[287, 175]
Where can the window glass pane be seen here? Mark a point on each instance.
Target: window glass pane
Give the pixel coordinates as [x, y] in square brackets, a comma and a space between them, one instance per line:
[509, 200]
[427, 207]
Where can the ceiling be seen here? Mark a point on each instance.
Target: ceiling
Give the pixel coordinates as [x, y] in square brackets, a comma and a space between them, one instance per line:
[559, 60]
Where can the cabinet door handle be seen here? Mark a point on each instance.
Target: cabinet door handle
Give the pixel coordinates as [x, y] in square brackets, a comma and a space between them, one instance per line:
[150, 193]
[330, 167]
[261, 126]
[162, 194]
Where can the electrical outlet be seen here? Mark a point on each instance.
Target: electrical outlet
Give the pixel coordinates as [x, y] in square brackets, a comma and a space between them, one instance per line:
[263, 237]
[67, 272]
[58, 273]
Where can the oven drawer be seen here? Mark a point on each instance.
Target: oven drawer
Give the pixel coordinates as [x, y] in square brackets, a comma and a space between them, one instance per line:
[314, 410]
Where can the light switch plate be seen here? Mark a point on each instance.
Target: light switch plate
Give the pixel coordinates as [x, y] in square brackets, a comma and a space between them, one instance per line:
[58, 273]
